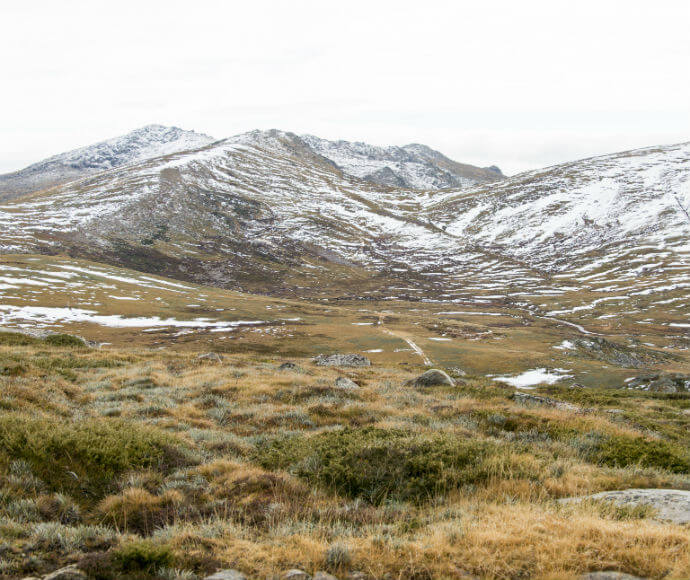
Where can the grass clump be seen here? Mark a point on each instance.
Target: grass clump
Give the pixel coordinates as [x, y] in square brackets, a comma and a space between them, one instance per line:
[623, 512]
[138, 511]
[379, 464]
[87, 456]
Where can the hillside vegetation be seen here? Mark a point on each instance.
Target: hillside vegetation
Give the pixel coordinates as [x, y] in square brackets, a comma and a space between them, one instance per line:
[157, 463]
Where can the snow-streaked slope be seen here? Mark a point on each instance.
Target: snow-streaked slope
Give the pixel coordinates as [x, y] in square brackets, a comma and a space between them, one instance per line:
[261, 201]
[626, 214]
[263, 212]
[412, 166]
[140, 144]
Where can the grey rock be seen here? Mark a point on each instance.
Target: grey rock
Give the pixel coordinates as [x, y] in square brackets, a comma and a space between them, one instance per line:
[661, 382]
[431, 378]
[66, 573]
[386, 176]
[345, 383]
[211, 357]
[288, 366]
[526, 399]
[357, 576]
[671, 505]
[228, 574]
[663, 385]
[618, 354]
[296, 574]
[324, 576]
[342, 360]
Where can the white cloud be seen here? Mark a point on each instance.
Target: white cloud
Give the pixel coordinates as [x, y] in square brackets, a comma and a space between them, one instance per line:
[520, 84]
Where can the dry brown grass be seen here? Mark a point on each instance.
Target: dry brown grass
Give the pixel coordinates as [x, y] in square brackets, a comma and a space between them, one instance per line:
[223, 508]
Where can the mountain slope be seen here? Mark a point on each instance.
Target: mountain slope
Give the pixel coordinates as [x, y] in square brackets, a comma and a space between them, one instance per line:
[144, 143]
[413, 166]
[625, 214]
[262, 212]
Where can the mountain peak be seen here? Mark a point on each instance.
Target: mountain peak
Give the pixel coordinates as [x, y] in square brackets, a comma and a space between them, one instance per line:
[143, 143]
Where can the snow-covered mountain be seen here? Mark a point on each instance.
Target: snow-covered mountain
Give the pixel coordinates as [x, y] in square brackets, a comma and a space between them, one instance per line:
[145, 143]
[263, 212]
[413, 166]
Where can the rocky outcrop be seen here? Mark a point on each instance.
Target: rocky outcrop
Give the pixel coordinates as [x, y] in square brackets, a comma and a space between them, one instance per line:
[342, 360]
[619, 355]
[386, 176]
[661, 382]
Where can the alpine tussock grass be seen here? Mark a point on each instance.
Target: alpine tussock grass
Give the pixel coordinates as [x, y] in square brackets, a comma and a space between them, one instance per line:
[147, 463]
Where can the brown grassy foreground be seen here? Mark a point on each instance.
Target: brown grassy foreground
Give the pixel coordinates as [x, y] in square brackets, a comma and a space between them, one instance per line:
[146, 463]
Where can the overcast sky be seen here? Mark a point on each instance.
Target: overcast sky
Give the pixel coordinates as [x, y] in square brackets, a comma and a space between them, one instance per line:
[517, 84]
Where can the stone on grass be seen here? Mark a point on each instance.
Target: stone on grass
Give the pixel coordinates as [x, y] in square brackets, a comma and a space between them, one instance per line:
[210, 357]
[431, 378]
[228, 574]
[296, 574]
[345, 383]
[342, 360]
[288, 366]
[530, 400]
[324, 576]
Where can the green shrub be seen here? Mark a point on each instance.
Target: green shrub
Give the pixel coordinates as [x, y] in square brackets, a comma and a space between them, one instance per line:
[625, 451]
[378, 464]
[142, 556]
[17, 339]
[20, 339]
[87, 456]
[64, 340]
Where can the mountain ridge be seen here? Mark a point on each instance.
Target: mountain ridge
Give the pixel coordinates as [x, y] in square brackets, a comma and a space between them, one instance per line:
[263, 213]
[414, 166]
[411, 166]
